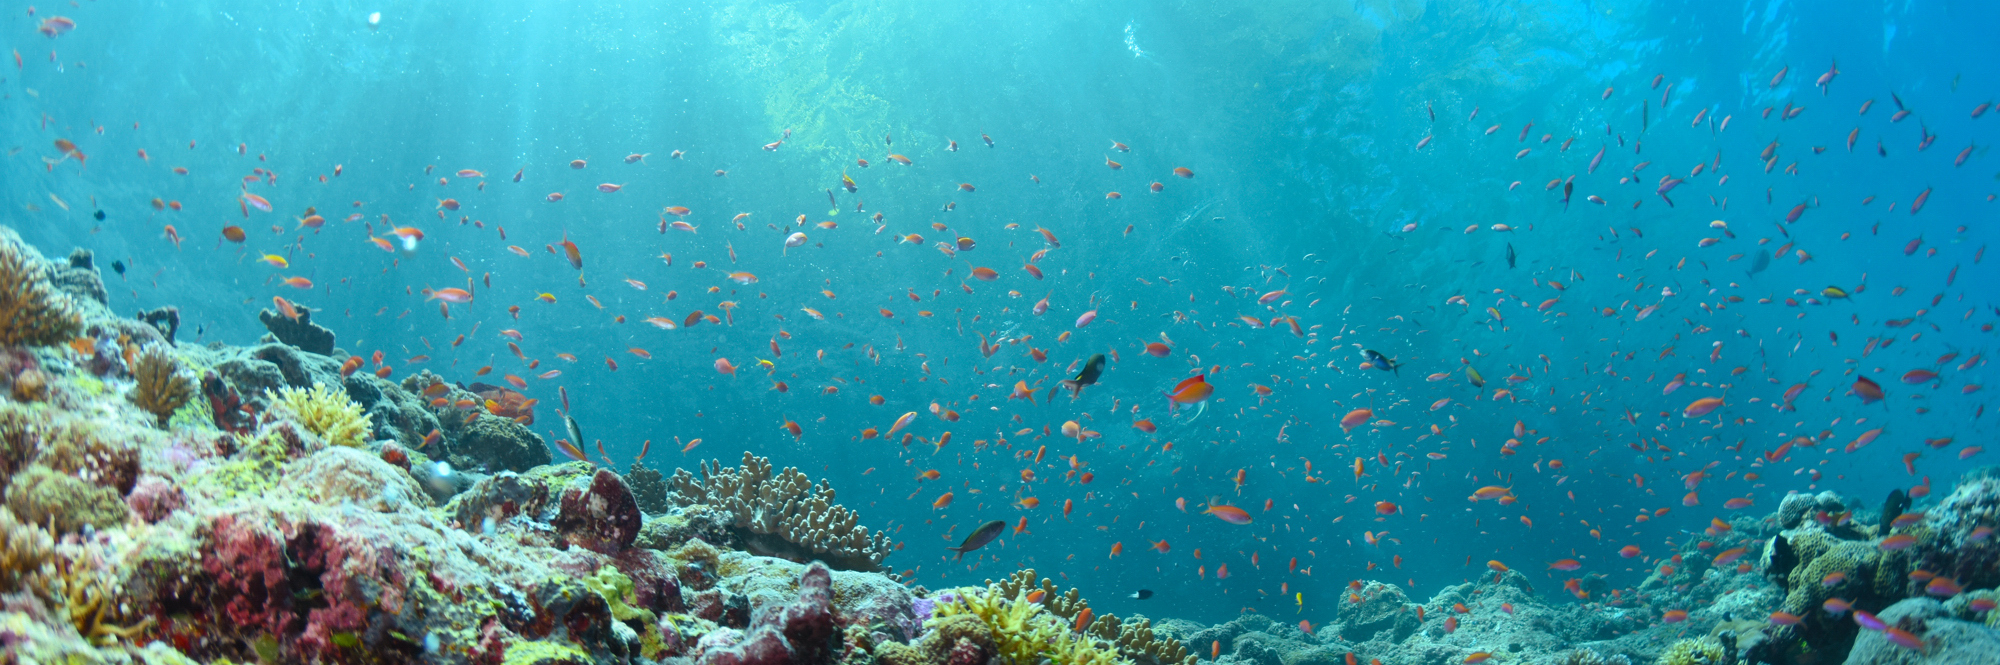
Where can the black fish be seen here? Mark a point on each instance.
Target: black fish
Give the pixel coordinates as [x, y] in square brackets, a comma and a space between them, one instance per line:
[1141, 594]
[1510, 255]
[1381, 361]
[118, 267]
[986, 533]
[1762, 261]
[99, 215]
[1092, 369]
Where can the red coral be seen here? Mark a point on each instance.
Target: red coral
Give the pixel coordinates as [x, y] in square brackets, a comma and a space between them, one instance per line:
[247, 560]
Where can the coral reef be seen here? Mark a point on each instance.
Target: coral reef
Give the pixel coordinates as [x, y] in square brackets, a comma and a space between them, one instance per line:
[161, 388]
[78, 277]
[301, 333]
[324, 412]
[32, 311]
[784, 514]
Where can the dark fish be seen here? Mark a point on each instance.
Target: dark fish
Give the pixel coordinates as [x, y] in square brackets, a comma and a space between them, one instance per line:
[118, 267]
[1141, 594]
[1092, 369]
[1381, 361]
[1762, 261]
[1645, 116]
[99, 215]
[1510, 255]
[575, 434]
[979, 538]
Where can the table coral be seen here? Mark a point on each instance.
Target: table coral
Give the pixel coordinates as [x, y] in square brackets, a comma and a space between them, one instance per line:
[783, 514]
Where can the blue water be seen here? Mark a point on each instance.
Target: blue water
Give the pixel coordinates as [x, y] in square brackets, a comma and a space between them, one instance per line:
[1300, 122]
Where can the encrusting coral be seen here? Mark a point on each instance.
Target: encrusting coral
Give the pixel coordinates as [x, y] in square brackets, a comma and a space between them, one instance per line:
[162, 389]
[31, 311]
[325, 412]
[784, 515]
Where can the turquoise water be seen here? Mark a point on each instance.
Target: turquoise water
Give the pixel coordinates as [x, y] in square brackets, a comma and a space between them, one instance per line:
[1301, 125]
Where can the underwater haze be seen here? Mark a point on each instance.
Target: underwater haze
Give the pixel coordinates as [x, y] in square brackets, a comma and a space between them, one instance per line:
[1594, 247]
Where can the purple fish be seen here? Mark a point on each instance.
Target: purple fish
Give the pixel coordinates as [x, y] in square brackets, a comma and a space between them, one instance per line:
[1594, 161]
[1868, 620]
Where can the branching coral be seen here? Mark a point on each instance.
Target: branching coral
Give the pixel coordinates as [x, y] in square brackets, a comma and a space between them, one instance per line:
[162, 389]
[325, 412]
[1023, 632]
[783, 514]
[31, 311]
[1134, 639]
[91, 599]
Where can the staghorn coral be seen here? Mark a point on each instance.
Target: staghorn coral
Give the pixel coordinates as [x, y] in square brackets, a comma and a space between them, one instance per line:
[784, 515]
[31, 310]
[1134, 639]
[1704, 651]
[162, 389]
[324, 412]
[24, 554]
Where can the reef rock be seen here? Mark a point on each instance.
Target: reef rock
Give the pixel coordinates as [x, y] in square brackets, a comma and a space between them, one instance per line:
[496, 444]
[1944, 639]
[598, 514]
[301, 332]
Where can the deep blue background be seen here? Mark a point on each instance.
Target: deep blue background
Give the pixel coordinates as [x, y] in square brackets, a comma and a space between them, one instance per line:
[1300, 121]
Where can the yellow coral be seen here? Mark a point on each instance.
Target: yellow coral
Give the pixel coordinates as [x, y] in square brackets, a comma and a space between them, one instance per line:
[24, 553]
[31, 311]
[1024, 633]
[327, 413]
[90, 600]
[162, 388]
[1704, 651]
